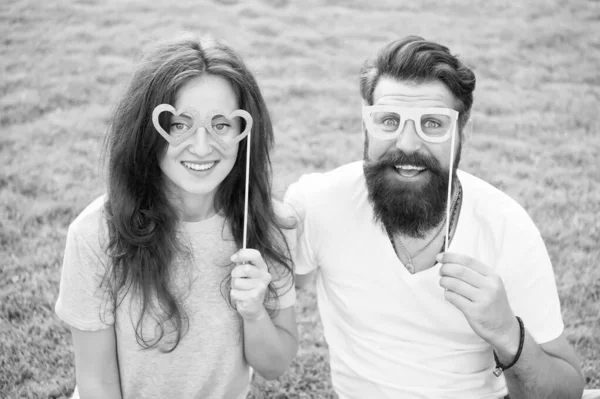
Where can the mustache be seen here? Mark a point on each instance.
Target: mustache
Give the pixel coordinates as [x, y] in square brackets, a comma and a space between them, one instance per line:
[399, 157]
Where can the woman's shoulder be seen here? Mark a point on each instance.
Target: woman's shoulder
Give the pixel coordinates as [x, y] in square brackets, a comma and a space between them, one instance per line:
[90, 224]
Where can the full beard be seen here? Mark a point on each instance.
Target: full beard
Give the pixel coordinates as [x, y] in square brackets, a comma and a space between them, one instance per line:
[408, 208]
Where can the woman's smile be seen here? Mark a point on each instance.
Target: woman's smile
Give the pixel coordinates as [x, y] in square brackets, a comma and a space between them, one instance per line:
[199, 166]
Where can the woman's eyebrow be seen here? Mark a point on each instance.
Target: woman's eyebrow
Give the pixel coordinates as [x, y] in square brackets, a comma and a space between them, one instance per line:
[185, 116]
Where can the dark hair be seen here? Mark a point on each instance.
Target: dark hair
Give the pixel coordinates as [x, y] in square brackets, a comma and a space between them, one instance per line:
[415, 59]
[141, 221]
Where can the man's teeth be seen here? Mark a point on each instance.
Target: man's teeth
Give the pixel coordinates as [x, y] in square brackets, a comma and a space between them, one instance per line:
[199, 167]
[409, 170]
[409, 167]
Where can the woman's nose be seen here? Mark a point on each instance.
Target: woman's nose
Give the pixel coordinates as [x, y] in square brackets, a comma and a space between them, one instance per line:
[201, 142]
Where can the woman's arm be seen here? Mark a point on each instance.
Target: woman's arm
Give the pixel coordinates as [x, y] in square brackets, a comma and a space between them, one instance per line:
[269, 344]
[96, 365]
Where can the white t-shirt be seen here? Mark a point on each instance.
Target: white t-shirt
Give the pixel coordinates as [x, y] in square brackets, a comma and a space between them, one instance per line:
[209, 361]
[391, 334]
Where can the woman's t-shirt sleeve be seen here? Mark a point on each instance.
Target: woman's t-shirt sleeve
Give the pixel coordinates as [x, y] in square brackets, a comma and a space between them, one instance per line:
[83, 301]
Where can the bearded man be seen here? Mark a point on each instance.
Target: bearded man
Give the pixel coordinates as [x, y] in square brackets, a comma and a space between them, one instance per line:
[431, 283]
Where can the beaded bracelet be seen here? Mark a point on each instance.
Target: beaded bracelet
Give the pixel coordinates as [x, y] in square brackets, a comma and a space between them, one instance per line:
[499, 367]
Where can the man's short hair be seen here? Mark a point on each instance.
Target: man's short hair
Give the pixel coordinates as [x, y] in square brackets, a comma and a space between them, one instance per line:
[417, 60]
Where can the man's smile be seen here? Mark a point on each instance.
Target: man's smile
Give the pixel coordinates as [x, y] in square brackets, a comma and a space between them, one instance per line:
[409, 170]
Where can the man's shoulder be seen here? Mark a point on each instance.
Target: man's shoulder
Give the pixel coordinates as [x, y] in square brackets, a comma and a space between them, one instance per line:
[490, 203]
[283, 212]
[321, 194]
[334, 182]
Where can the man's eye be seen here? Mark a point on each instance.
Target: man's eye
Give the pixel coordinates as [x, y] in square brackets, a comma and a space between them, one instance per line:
[390, 121]
[431, 124]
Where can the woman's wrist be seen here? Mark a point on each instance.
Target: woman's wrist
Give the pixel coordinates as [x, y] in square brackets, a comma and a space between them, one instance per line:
[257, 317]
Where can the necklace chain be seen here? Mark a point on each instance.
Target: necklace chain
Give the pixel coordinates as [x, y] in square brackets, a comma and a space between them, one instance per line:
[409, 265]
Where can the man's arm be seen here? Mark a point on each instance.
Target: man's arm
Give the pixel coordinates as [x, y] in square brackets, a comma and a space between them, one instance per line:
[546, 371]
[302, 280]
[549, 370]
[302, 252]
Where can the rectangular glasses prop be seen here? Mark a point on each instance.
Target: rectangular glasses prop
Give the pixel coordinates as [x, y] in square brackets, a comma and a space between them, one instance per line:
[433, 125]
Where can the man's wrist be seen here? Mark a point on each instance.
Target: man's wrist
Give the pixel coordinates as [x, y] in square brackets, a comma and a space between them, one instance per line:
[506, 348]
[510, 360]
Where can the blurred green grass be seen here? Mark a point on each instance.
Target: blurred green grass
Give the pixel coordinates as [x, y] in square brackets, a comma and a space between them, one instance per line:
[64, 64]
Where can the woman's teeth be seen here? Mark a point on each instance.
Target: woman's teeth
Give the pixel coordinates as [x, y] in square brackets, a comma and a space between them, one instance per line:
[199, 167]
[409, 170]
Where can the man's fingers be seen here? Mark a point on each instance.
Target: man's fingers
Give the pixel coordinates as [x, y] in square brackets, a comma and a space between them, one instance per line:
[463, 273]
[457, 286]
[458, 301]
[467, 261]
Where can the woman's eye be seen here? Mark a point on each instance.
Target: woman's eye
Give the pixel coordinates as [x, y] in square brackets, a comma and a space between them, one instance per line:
[390, 121]
[221, 127]
[178, 126]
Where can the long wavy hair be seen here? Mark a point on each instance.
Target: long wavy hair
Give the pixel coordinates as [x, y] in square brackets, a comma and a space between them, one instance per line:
[142, 240]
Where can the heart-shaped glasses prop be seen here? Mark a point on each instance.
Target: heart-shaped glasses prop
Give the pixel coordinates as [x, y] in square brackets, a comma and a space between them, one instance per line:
[185, 122]
[213, 122]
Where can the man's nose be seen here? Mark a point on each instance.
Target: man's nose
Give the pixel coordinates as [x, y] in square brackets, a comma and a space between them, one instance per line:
[409, 140]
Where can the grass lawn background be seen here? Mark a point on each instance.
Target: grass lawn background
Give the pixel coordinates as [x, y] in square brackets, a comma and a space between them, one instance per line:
[64, 64]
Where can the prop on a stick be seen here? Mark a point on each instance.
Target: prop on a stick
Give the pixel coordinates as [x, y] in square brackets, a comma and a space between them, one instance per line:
[190, 120]
[386, 120]
[449, 196]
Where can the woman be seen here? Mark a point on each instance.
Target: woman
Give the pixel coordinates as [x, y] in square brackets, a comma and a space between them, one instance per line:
[160, 300]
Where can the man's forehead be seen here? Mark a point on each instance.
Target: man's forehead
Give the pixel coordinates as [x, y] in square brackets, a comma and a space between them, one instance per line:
[390, 91]
[408, 101]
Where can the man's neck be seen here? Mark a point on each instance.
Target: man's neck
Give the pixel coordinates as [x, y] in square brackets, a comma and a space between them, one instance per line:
[418, 253]
[421, 251]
